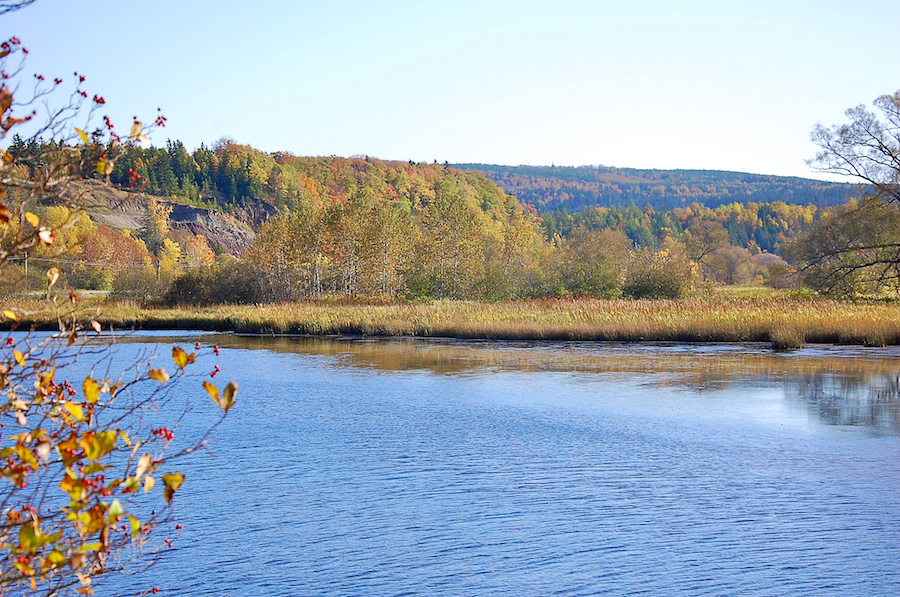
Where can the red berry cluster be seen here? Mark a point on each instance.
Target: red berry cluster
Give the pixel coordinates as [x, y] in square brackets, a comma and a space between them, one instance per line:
[164, 433]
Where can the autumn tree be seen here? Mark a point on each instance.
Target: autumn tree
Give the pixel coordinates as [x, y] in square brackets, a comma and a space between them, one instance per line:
[867, 148]
[594, 262]
[449, 248]
[81, 457]
[856, 249]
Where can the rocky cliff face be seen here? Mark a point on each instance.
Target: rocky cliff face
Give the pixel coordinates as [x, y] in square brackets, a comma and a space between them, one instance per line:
[121, 209]
[219, 229]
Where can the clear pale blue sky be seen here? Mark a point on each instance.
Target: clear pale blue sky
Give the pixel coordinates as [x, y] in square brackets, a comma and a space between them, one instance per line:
[711, 85]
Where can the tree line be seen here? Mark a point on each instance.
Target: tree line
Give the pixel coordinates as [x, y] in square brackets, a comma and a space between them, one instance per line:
[551, 188]
[363, 227]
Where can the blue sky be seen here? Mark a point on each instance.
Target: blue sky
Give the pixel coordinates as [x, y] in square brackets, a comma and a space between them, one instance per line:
[705, 85]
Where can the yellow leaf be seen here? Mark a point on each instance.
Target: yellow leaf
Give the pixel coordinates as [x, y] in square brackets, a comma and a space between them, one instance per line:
[45, 235]
[83, 135]
[125, 437]
[172, 482]
[91, 390]
[98, 445]
[75, 410]
[10, 315]
[45, 379]
[213, 391]
[228, 397]
[72, 337]
[180, 357]
[55, 559]
[159, 375]
[149, 482]
[32, 219]
[20, 358]
[25, 454]
[105, 167]
[91, 446]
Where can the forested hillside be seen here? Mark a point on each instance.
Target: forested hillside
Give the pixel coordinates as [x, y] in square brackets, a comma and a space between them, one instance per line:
[754, 226]
[360, 226]
[549, 188]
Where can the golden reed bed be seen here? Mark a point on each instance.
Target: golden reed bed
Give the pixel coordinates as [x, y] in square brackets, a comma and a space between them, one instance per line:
[785, 321]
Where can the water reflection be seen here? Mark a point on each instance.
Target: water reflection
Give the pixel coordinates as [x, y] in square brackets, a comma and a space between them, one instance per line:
[857, 398]
[836, 385]
[438, 467]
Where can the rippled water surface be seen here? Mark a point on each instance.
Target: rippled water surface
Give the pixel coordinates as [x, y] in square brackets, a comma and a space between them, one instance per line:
[448, 468]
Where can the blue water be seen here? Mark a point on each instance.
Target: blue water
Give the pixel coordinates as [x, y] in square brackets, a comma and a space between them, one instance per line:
[443, 468]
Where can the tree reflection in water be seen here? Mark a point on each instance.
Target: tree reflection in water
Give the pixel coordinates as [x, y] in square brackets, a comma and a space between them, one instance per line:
[860, 398]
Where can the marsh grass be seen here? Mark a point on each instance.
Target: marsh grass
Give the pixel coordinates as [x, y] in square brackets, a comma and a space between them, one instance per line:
[786, 321]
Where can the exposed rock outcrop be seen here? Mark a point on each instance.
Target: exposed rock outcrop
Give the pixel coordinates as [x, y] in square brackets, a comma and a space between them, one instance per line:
[125, 210]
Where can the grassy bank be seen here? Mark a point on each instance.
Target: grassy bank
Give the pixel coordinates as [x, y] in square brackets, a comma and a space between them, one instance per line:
[784, 321]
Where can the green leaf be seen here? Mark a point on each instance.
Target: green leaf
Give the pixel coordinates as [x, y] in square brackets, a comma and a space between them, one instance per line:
[115, 510]
[29, 537]
[135, 525]
[107, 441]
[132, 483]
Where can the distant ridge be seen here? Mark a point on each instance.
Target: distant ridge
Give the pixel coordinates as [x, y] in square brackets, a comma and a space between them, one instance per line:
[550, 188]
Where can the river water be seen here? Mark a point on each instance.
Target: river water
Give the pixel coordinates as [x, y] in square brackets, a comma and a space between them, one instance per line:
[417, 467]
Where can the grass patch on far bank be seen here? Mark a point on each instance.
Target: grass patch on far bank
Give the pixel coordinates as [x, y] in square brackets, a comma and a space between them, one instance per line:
[786, 321]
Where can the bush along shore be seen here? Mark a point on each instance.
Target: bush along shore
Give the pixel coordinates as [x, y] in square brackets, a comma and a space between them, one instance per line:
[786, 322]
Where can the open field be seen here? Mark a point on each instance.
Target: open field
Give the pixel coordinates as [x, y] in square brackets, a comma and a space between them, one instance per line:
[785, 321]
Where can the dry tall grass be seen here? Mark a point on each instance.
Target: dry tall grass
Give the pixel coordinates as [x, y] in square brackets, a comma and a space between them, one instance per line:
[784, 321]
